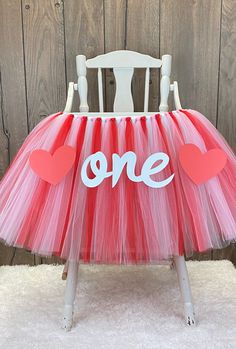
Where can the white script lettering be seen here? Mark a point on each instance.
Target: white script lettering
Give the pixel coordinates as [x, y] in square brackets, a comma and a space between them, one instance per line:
[118, 163]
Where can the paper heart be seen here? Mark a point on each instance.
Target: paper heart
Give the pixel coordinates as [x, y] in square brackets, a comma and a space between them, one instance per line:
[52, 168]
[201, 167]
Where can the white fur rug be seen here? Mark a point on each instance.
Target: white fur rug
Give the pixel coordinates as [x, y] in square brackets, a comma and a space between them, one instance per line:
[121, 307]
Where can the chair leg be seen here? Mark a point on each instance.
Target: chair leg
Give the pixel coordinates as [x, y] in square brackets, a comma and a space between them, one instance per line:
[70, 292]
[185, 289]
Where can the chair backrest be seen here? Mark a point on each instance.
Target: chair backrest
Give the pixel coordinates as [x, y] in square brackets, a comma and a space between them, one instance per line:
[123, 63]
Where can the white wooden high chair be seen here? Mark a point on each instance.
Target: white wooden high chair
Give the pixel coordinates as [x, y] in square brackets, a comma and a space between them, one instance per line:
[123, 63]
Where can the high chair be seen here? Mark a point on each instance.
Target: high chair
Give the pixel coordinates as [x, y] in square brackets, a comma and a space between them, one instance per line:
[123, 63]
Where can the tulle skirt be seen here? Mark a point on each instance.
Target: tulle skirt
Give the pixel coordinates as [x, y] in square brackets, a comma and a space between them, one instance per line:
[130, 222]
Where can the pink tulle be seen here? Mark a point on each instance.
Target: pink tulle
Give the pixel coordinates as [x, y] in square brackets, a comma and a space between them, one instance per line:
[131, 222]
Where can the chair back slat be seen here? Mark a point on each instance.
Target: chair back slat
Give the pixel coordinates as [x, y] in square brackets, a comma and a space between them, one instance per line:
[100, 90]
[146, 93]
[123, 98]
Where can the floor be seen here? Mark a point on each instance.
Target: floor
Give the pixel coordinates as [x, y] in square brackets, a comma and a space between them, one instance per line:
[118, 307]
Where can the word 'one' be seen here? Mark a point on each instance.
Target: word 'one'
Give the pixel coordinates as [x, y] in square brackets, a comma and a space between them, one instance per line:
[98, 165]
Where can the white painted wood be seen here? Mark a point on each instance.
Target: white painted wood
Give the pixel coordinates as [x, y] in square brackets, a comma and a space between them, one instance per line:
[175, 89]
[70, 97]
[165, 82]
[123, 98]
[123, 59]
[100, 90]
[185, 289]
[70, 292]
[82, 82]
[146, 93]
[117, 114]
[123, 63]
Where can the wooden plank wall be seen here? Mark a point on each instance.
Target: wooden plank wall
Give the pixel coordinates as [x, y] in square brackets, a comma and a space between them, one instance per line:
[40, 39]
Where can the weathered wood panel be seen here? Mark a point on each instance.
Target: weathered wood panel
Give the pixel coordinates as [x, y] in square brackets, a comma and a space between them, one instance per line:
[84, 34]
[12, 75]
[43, 29]
[190, 32]
[13, 111]
[143, 36]
[226, 121]
[115, 34]
[43, 24]
[227, 84]
[4, 136]
[232, 256]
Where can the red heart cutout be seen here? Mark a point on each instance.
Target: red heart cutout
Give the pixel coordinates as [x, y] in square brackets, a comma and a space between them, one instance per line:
[52, 168]
[201, 167]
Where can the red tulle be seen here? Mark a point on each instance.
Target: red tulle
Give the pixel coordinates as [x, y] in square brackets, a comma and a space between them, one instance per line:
[130, 222]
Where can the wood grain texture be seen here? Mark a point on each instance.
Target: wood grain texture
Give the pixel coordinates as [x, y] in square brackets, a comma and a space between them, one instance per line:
[143, 36]
[227, 84]
[44, 58]
[115, 32]
[232, 256]
[226, 121]
[13, 111]
[84, 34]
[225, 253]
[4, 136]
[23, 256]
[190, 32]
[7, 254]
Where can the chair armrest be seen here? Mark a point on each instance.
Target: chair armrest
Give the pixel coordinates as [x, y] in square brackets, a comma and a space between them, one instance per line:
[70, 97]
[175, 89]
